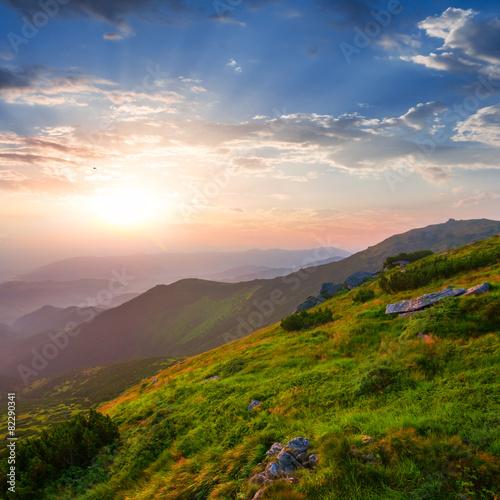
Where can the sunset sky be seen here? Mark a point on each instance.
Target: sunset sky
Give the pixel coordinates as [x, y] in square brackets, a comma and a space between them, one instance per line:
[187, 125]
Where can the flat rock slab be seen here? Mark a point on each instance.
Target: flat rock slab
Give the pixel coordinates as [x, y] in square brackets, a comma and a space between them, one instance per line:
[478, 289]
[423, 301]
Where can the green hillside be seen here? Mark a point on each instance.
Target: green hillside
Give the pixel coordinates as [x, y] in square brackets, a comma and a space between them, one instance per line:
[395, 408]
[193, 316]
[54, 399]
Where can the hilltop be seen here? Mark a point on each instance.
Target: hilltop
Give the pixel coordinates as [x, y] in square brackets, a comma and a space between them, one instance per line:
[393, 407]
[192, 316]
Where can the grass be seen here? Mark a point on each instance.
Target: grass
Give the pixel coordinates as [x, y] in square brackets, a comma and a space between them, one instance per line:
[432, 407]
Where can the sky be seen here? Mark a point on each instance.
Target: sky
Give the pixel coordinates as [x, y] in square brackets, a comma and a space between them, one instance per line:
[149, 125]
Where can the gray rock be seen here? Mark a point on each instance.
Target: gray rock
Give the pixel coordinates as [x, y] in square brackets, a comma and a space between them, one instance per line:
[274, 471]
[478, 290]
[215, 377]
[302, 458]
[313, 460]
[298, 445]
[330, 288]
[253, 404]
[357, 279]
[287, 462]
[423, 301]
[308, 304]
[274, 450]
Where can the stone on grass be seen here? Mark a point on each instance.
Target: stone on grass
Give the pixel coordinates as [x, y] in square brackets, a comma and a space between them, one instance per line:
[298, 445]
[287, 462]
[477, 290]
[253, 404]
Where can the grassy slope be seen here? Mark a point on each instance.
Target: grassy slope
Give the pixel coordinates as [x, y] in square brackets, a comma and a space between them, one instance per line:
[432, 408]
[193, 316]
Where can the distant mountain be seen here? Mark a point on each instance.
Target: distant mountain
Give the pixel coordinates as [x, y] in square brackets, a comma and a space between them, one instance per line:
[166, 268]
[50, 318]
[18, 298]
[192, 316]
[249, 273]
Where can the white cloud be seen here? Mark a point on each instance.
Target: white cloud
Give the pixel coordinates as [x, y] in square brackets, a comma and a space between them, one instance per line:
[477, 199]
[484, 127]
[234, 65]
[470, 44]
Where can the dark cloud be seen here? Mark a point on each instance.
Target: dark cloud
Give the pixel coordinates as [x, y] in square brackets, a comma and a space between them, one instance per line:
[117, 12]
[18, 77]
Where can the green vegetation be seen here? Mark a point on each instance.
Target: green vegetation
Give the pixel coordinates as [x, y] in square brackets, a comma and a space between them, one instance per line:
[305, 319]
[409, 257]
[430, 403]
[363, 295]
[49, 401]
[439, 267]
[70, 446]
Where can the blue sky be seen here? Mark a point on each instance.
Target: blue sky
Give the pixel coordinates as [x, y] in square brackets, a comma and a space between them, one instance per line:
[236, 124]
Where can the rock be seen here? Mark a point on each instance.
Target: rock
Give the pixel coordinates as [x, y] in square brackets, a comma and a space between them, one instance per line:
[423, 301]
[274, 450]
[287, 462]
[274, 471]
[357, 279]
[298, 445]
[309, 303]
[253, 404]
[330, 288]
[258, 494]
[258, 479]
[408, 315]
[477, 290]
[302, 458]
[366, 439]
[155, 380]
[215, 377]
[401, 263]
[313, 460]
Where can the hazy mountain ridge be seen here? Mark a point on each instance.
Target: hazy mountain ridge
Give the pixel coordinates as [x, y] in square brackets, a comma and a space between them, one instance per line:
[192, 316]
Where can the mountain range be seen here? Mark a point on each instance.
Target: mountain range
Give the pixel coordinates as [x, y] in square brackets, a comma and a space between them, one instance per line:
[192, 315]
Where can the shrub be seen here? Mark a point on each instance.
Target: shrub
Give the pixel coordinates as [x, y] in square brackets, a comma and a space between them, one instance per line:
[410, 257]
[304, 319]
[69, 445]
[363, 295]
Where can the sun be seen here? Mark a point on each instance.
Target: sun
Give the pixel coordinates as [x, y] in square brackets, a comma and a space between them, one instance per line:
[126, 207]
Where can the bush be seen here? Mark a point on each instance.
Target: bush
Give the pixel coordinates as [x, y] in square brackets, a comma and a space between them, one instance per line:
[410, 257]
[304, 319]
[363, 295]
[441, 267]
[69, 445]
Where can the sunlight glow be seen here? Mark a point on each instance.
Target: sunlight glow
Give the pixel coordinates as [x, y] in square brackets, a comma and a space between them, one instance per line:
[127, 207]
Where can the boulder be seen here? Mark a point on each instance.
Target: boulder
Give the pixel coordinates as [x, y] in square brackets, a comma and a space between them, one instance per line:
[477, 290]
[274, 471]
[330, 288]
[298, 445]
[253, 404]
[313, 460]
[309, 303]
[274, 450]
[423, 301]
[287, 462]
[258, 479]
[302, 458]
[357, 279]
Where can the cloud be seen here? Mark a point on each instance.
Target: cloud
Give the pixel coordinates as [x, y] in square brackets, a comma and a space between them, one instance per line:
[477, 199]
[14, 78]
[251, 164]
[470, 43]
[416, 118]
[483, 126]
[113, 36]
[234, 65]
[11, 180]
